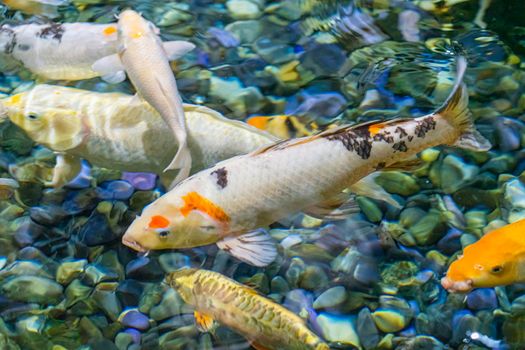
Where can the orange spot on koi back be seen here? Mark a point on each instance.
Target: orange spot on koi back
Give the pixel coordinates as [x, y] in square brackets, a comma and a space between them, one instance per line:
[194, 201]
[375, 128]
[110, 30]
[158, 221]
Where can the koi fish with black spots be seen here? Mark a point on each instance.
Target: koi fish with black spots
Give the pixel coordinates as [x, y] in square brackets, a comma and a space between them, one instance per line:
[229, 203]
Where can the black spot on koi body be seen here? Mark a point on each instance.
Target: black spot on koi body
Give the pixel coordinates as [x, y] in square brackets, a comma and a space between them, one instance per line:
[222, 177]
[402, 133]
[410, 138]
[11, 40]
[424, 126]
[53, 31]
[400, 146]
[23, 47]
[289, 125]
[384, 136]
[380, 165]
[354, 142]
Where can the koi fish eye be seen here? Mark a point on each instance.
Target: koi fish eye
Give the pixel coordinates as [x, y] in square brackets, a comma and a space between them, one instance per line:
[32, 116]
[163, 233]
[497, 269]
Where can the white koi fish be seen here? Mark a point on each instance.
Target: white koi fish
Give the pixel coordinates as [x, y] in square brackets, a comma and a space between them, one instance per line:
[58, 51]
[229, 203]
[46, 8]
[145, 59]
[118, 131]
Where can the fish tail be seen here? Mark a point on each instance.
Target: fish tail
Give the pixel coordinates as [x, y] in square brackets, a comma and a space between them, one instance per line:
[455, 111]
[181, 161]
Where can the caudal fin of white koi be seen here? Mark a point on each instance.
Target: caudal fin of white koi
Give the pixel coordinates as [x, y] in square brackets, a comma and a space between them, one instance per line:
[455, 111]
[181, 161]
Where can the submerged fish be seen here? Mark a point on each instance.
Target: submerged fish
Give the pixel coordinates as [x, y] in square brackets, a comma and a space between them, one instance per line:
[283, 126]
[228, 203]
[266, 324]
[497, 259]
[52, 51]
[47, 8]
[118, 131]
[145, 59]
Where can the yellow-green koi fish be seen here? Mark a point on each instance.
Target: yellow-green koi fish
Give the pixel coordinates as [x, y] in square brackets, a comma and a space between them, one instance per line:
[497, 259]
[266, 324]
[145, 59]
[58, 51]
[118, 131]
[229, 203]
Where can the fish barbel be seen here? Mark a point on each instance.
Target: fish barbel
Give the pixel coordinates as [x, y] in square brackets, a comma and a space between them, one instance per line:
[266, 324]
[230, 202]
[145, 59]
[58, 51]
[496, 259]
[118, 131]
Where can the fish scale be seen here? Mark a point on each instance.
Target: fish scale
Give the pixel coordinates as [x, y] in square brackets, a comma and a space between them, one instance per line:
[258, 318]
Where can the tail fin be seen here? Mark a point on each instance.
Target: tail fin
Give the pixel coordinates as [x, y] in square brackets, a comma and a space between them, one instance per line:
[455, 111]
[181, 161]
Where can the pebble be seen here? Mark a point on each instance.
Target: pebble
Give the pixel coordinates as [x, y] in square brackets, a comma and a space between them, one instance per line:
[482, 299]
[32, 289]
[367, 330]
[140, 181]
[338, 328]
[144, 269]
[243, 9]
[134, 319]
[115, 190]
[330, 298]
[389, 321]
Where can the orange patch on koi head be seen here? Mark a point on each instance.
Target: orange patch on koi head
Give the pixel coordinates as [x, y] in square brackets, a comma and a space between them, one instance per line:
[194, 201]
[258, 122]
[158, 221]
[109, 30]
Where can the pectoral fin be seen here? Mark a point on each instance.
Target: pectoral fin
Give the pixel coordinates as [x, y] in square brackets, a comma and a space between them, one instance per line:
[205, 322]
[177, 49]
[336, 208]
[368, 187]
[256, 248]
[110, 68]
[66, 169]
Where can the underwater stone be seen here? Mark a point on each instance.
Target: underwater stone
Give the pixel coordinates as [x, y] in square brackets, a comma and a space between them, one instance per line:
[279, 285]
[389, 321]
[245, 31]
[105, 297]
[370, 209]
[464, 324]
[32, 289]
[398, 183]
[508, 133]
[481, 299]
[135, 335]
[95, 274]
[298, 299]
[429, 229]
[47, 215]
[338, 328]
[294, 272]
[140, 199]
[78, 201]
[140, 181]
[450, 243]
[518, 306]
[97, 231]
[321, 105]
[27, 231]
[134, 319]
[69, 270]
[115, 190]
[243, 9]
[123, 341]
[330, 298]
[75, 292]
[454, 173]
[323, 59]
[144, 269]
[313, 278]
[367, 330]
[223, 37]
[273, 52]
[129, 291]
[173, 261]
[170, 306]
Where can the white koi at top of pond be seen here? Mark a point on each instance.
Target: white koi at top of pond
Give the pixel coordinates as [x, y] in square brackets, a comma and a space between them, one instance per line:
[58, 51]
[145, 59]
[228, 203]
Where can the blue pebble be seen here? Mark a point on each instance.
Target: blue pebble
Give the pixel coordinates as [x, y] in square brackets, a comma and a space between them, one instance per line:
[408, 332]
[458, 316]
[83, 179]
[135, 335]
[115, 190]
[298, 299]
[482, 299]
[135, 319]
[450, 243]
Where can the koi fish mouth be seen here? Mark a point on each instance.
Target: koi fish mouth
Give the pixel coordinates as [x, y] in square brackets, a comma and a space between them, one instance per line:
[133, 245]
[457, 286]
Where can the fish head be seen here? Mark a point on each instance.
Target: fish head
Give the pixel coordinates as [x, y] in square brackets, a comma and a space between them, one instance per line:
[183, 281]
[185, 222]
[132, 26]
[482, 266]
[58, 128]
